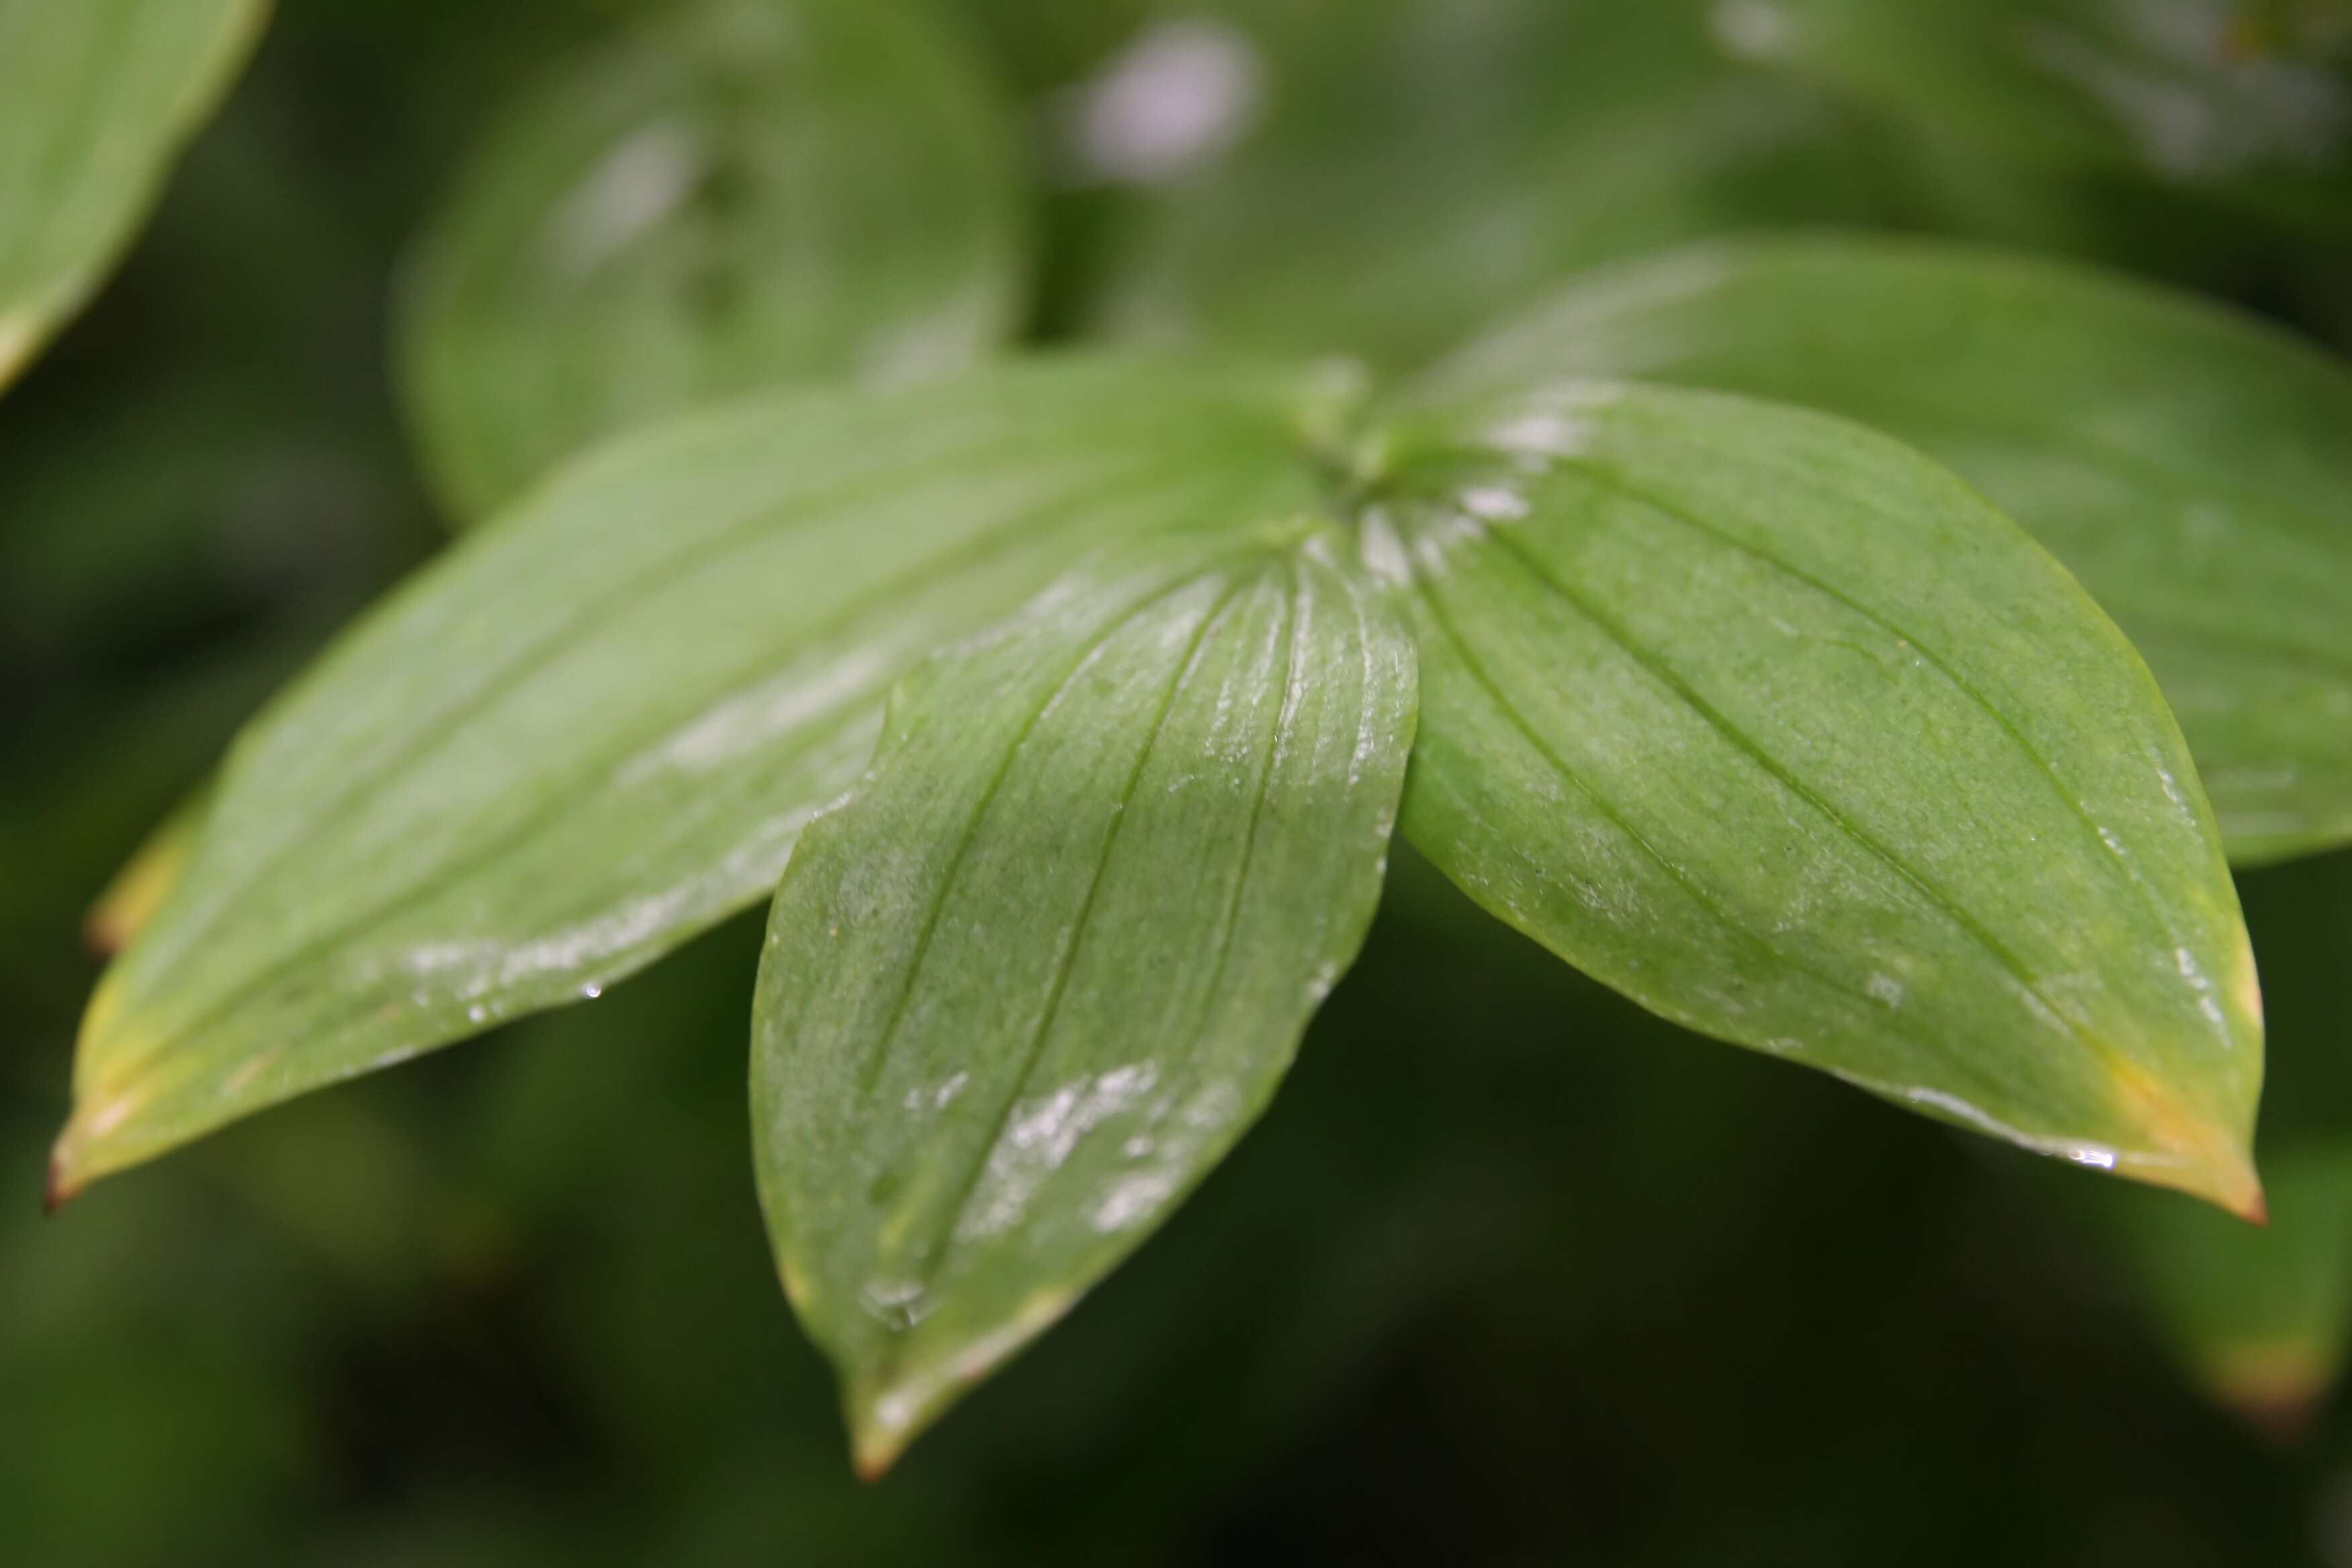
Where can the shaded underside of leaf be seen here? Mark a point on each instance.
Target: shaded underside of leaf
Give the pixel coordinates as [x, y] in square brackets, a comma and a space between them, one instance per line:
[739, 194]
[2191, 465]
[1028, 985]
[1780, 730]
[97, 98]
[596, 728]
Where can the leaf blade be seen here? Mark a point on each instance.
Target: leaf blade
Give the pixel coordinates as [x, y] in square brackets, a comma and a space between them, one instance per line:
[1052, 957]
[596, 728]
[96, 100]
[2185, 463]
[1768, 723]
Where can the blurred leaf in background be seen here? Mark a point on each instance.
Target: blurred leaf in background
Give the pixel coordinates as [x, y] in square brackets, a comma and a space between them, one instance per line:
[2260, 1319]
[100, 97]
[1379, 178]
[2229, 97]
[734, 194]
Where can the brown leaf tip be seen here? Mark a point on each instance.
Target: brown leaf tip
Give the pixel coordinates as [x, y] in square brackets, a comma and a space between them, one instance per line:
[56, 1190]
[102, 933]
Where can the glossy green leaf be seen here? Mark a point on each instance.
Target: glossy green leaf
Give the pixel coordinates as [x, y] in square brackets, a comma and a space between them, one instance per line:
[739, 194]
[2260, 1319]
[2197, 93]
[97, 98]
[1778, 728]
[1052, 958]
[596, 727]
[1405, 168]
[2191, 465]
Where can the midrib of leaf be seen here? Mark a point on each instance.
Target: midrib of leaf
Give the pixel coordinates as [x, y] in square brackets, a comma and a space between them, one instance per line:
[871, 1073]
[1067, 959]
[591, 778]
[2109, 852]
[1297, 625]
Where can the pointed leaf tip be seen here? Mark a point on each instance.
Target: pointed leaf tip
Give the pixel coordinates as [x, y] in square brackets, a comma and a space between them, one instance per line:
[2276, 1390]
[2189, 1148]
[874, 1449]
[55, 1192]
[139, 889]
[2224, 1175]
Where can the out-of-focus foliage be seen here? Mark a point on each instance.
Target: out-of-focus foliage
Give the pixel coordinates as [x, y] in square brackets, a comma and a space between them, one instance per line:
[735, 194]
[2257, 1316]
[1378, 178]
[1509, 1273]
[2242, 98]
[100, 95]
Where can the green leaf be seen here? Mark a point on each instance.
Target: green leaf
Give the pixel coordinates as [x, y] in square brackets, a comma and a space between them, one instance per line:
[1418, 164]
[2191, 465]
[97, 96]
[2190, 92]
[596, 727]
[1776, 727]
[743, 194]
[2260, 1319]
[1052, 958]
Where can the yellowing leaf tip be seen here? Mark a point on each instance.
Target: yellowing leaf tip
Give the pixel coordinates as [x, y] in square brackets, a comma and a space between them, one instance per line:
[16, 337]
[2188, 1145]
[56, 1190]
[2277, 1389]
[2221, 1174]
[138, 890]
[889, 1412]
[873, 1450]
